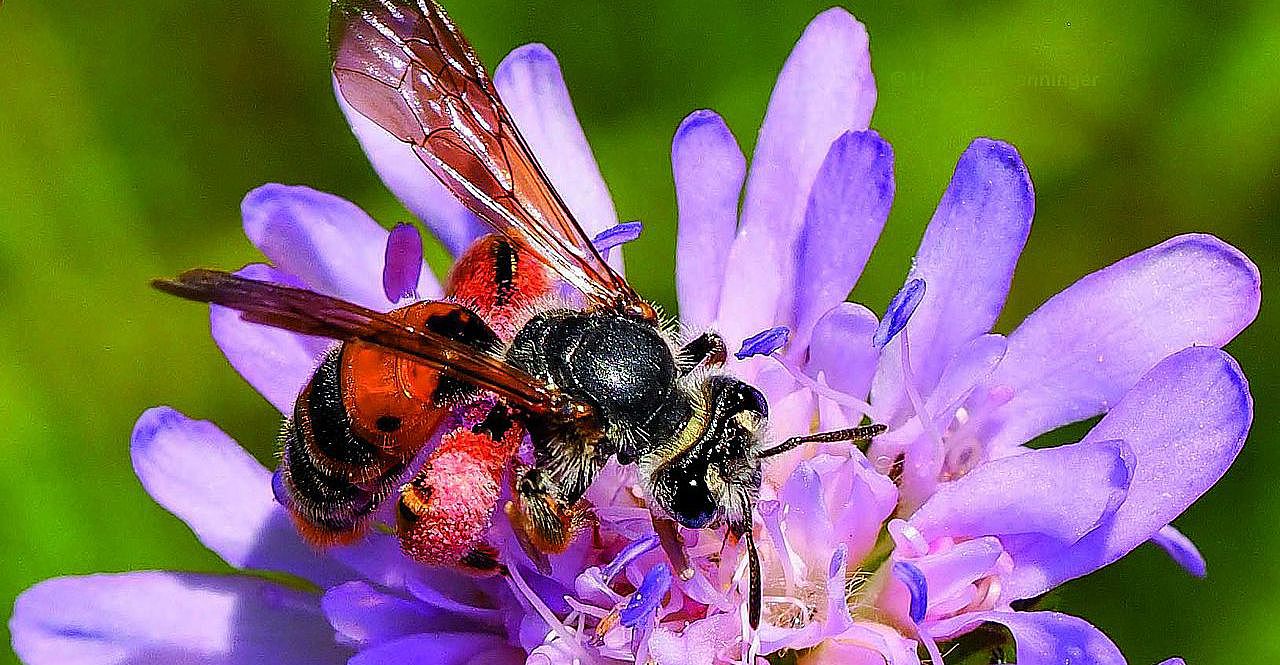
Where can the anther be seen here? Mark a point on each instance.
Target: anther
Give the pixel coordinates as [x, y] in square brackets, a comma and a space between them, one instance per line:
[899, 312]
[763, 343]
[402, 263]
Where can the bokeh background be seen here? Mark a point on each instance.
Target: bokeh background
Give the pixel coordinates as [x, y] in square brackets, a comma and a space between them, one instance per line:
[130, 131]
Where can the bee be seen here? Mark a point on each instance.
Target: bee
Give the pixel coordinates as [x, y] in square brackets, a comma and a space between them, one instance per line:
[585, 385]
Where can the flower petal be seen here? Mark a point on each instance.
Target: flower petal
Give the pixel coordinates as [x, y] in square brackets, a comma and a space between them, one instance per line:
[163, 617]
[1049, 638]
[530, 83]
[441, 648]
[825, 89]
[967, 257]
[1185, 421]
[1083, 349]
[328, 242]
[709, 168]
[365, 616]
[864, 643]
[847, 208]
[840, 351]
[408, 178]
[200, 475]
[1061, 493]
[277, 363]
[807, 522]
[1181, 550]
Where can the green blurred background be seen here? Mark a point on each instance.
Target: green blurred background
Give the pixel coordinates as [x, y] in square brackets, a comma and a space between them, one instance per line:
[130, 131]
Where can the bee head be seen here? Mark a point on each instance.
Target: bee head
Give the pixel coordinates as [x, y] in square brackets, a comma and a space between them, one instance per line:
[716, 472]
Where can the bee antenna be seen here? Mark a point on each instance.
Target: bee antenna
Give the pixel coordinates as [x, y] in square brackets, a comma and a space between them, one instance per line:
[863, 433]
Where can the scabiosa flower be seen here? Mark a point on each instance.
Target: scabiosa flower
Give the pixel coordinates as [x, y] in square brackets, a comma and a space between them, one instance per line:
[943, 524]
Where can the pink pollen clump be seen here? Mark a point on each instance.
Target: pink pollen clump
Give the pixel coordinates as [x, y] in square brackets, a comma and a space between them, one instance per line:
[453, 497]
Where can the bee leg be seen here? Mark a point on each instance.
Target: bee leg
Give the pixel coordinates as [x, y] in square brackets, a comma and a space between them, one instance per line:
[482, 561]
[757, 585]
[705, 350]
[543, 523]
[673, 545]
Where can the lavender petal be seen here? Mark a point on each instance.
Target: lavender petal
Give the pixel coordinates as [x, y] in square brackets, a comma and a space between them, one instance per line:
[1181, 550]
[203, 477]
[841, 353]
[441, 648]
[967, 256]
[1185, 420]
[825, 89]
[163, 617]
[277, 363]
[1082, 350]
[328, 242]
[708, 168]
[846, 211]
[408, 178]
[1058, 493]
[365, 616]
[531, 85]
[1049, 638]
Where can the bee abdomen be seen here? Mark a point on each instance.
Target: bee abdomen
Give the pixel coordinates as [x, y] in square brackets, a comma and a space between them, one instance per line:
[334, 478]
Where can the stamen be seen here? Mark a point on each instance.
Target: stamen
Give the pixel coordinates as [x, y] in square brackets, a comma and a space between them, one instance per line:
[763, 343]
[837, 561]
[522, 589]
[771, 515]
[917, 585]
[908, 538]
[1181, 550]
[898, 312]
[619, 234]
[634, 550]
[278, 489]
[402, 263]
[645, 601]
[913, 395]
[821, 389]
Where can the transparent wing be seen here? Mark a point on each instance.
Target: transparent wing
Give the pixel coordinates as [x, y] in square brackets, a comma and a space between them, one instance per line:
[311, 313]
[404, 65]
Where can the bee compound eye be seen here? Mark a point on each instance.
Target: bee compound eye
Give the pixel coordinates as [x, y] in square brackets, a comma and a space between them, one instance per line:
[692, 503]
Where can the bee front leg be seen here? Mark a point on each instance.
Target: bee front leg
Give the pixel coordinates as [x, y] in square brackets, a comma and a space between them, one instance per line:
[673, 545]
[705, 350]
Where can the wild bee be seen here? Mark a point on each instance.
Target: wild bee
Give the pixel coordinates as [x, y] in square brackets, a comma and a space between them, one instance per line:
[585, 385]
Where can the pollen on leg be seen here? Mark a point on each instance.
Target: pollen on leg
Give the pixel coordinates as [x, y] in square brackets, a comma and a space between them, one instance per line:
[446, 511]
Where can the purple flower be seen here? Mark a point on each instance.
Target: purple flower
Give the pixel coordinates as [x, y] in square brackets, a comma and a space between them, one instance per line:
[946, 522]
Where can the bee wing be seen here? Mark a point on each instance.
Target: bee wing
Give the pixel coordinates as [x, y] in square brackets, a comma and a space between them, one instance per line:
[311, 313]
[404, 65]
